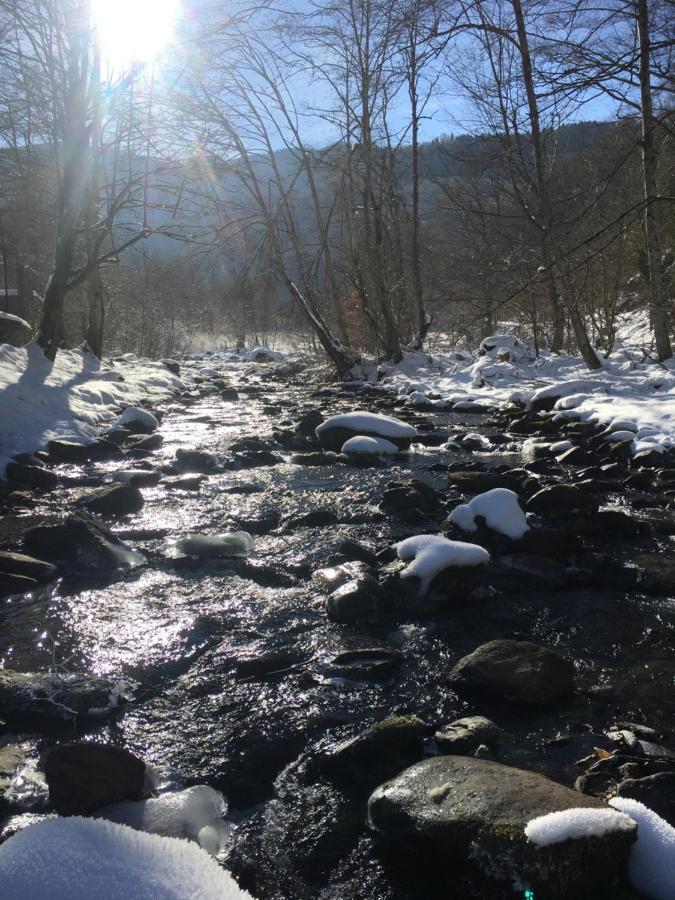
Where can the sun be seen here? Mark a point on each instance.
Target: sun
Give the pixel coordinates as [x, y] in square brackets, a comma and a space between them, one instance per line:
[133, 31]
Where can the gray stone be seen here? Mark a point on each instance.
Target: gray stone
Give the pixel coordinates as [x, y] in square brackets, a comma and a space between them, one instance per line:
[359, 600]
[114, 500]
[464, 736]
[31, 476]
[200, 461]
[561, 499]
[42, 695]
[516, 670]
[478, 809]
[87, 544]
[84, 777]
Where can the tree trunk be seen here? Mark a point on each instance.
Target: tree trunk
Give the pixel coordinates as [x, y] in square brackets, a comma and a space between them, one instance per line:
[94, 334]
[657, 297]
[588, 354]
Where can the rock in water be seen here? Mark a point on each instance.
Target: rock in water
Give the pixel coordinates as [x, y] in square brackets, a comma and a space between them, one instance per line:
[478, 809]
[41, 695]
[114, 500]
[84, 777]
[515, 670]
[336, 430]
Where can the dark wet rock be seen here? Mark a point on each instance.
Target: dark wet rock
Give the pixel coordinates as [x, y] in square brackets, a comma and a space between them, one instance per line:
[310, 828]
[658, 572]
[114, 500]
[315, 518]
[172, 365]
[359, 600]
[145, 443]
[143, 478]
[313, 459]
[516, 670]
[376, 754]
[331, 577]
[401, 497]
[561, 499]
[656, 792]
[478, 809]
[31, 459]
[41, 695]
[28, 566]
[464, 736]
[69, 451]
[478, 482]
[455, 585]
[15, 584]
[198, 461]
[575, 456]
[185, 483]
[228, 393]
[352, 550]
[248, 445]
[372, 661]
[21, 499]
[649, 459]
[262, 665]
[84, 777]
[31, 476]
[612, 524]
[309, 423]
[83, 541]
[552, 542]
[517, 569]
[251, 459]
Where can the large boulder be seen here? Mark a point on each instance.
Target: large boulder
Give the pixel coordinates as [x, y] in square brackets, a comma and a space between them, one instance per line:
[516, 670]
[561, 499]
[336, 430]
[477, 810]
[84, 777]
[31, 476]
[86, 544]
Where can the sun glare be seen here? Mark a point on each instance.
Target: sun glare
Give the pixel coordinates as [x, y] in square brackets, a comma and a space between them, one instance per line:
[134, 31]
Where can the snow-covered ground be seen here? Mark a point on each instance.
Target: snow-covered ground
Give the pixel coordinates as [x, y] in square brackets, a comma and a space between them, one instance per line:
[630, 392]
[71, 398]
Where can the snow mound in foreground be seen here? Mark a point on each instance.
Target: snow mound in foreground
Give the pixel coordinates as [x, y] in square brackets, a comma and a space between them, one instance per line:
[78, 858]
[651, 865]
[500, 509]
[369, 446]
[572, 824]
[430, 554]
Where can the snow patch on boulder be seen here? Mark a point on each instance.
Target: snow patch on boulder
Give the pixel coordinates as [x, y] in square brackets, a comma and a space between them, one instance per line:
[500, 509]
[574, 824]
[429, 554]
[369, 446]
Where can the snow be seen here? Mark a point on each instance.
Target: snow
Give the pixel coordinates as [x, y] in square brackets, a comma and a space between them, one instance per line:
[10, 317]
[560, 447]
[372, 423]
[234, 543]
[135, 414]
[473, 437]
[195, 813]
[70, 399]
[565, 389]
[572, 824]
[430, 554]
[651, 865]
[500, 509]
[369, 446]
[78, 858]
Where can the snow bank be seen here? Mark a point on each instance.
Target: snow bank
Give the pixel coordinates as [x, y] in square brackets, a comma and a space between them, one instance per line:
[430, 554]
[70, 398]
[195, 813]
[385, 426]
[500, 509]
[571, 824]
[369, 446]
[78, 859]
[651, 865]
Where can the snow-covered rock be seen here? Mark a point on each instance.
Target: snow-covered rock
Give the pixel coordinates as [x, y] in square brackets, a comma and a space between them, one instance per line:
[77, 859]
[651, 865]
[500, 510]
[136, 415]
[195, 813]
[335, 430]
[369, 446]
[429, 554]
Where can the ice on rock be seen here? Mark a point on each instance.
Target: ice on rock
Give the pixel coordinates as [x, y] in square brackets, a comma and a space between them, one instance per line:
[500, 510]
[623, 425]
[651, 865]
[361, 444]
[576, 823]
[78, 858]
[135, 414]
[560, 447]
[617, 436]
[429, 554]
[372, 423]
[195, 813]
[235, 543]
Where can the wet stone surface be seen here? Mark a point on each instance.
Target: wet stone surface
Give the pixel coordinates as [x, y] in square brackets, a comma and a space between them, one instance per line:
[240, 674]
